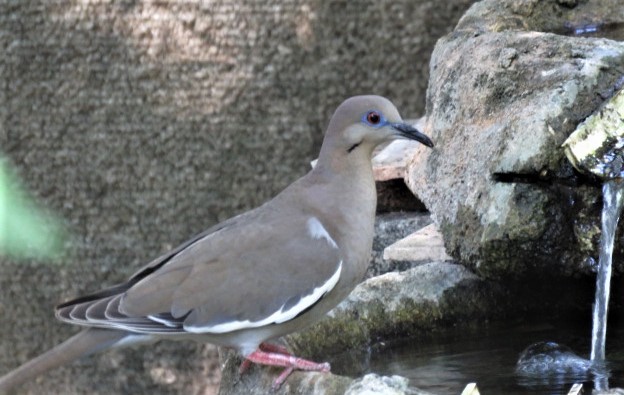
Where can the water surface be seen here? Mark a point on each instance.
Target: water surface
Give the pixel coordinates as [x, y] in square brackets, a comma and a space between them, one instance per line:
[445, 364]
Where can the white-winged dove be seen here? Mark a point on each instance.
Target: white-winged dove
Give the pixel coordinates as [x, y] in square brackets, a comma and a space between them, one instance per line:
[258, 276]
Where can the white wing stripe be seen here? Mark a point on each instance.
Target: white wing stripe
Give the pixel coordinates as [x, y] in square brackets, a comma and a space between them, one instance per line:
[318, 231]
[162, 321]
[279, 316]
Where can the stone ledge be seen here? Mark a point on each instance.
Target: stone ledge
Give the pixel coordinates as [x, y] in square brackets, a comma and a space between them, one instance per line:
[426, 244]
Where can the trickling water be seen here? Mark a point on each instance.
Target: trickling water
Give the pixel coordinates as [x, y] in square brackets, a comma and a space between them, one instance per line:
[613, 191]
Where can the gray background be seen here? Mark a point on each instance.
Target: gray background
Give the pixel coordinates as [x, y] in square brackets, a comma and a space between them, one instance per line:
[142, 124]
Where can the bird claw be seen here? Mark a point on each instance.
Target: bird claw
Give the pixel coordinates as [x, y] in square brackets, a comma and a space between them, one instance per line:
[244, 366]
[288, 361]
[277, 383]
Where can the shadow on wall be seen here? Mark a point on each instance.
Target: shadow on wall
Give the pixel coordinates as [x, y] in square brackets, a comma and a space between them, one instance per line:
[144, 123]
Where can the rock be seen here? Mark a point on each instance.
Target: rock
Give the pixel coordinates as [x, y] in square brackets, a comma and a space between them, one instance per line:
[596, 144]
[426, 244]
[390, 163]
[394, 195]
[423, 298]
[258, 380]
[471, 389]
[373, 384]
[389, 228]
[549, 359]
[506, 89]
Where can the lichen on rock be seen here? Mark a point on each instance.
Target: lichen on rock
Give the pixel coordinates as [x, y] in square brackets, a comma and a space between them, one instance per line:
[507, 87]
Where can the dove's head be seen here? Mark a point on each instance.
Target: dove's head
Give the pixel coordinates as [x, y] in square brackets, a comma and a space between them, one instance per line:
[361, 123]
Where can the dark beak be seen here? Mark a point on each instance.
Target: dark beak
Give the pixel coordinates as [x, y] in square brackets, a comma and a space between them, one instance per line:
[410, 132]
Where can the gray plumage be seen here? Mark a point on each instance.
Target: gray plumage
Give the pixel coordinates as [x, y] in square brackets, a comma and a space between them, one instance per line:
[260, 275]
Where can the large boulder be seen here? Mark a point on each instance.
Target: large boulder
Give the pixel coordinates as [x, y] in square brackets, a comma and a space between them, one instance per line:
[506, 88]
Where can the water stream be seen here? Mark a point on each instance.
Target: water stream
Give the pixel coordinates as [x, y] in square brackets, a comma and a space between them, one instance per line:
[612, 192]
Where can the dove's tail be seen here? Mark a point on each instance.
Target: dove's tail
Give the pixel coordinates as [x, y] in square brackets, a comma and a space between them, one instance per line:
[84, 343]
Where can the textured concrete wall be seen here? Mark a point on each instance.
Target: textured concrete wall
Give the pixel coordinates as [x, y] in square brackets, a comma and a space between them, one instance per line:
[142, 123]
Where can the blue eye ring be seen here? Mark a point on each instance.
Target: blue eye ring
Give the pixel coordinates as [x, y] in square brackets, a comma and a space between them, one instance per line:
[374, 119]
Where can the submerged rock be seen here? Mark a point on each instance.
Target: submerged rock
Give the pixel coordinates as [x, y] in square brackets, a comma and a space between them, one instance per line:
[373, 384]
[506, 89]
[548, 359]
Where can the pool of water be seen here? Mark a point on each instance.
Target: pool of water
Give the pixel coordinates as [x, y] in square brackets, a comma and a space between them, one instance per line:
[445, 364]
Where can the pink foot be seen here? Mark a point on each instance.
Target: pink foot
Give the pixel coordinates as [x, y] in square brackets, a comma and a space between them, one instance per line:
[244, 366]
[281, 378]
[268, 347]
[275, 358]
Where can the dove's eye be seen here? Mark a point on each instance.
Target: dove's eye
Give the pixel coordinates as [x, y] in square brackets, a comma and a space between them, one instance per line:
[373, 118]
